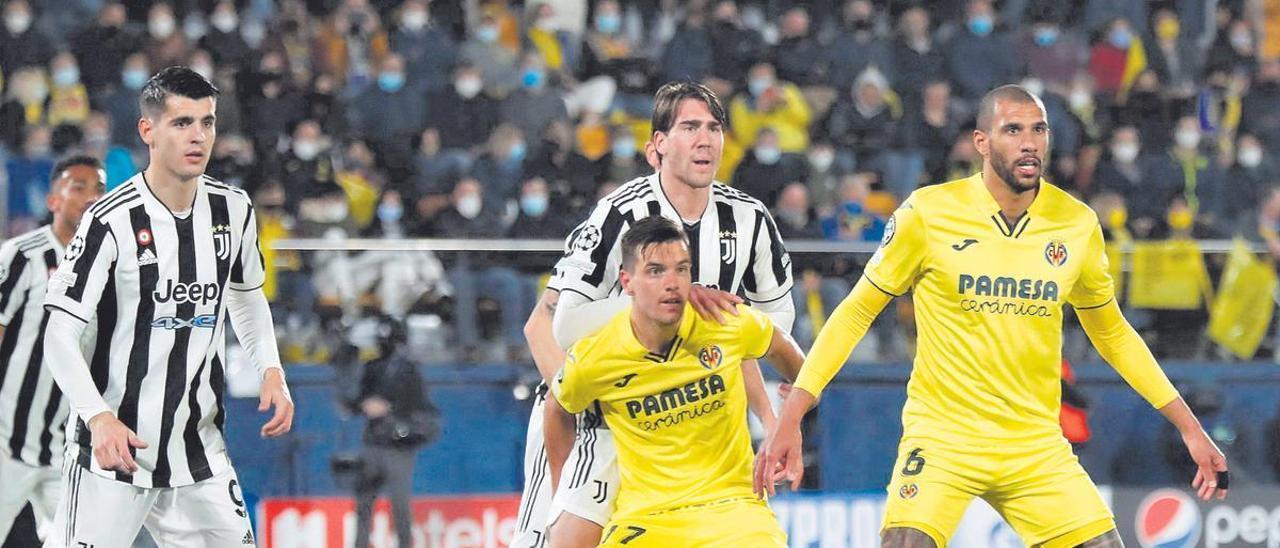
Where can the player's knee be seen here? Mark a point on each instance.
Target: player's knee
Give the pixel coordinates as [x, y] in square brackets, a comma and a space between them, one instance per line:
[570, 531]
[906, 537]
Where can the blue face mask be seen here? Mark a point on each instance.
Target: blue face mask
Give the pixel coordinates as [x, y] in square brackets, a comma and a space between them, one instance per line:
[531, 79]
[390, 82]
[517, 152]
[390, 213]
[534, 205]
[1119, 38]
[487, 34]
[768, 155]
[135, 79]
[981, 25]
[66, 77]
[609, 24]
[624, 148]
[1045, 37]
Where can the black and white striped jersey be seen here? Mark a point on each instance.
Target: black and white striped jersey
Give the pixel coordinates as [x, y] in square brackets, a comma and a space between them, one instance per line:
[749, 256]
[155, 282]
[33, 414]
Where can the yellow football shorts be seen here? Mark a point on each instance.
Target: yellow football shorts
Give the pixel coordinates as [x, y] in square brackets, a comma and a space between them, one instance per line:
[730, 524]
[1040, 489]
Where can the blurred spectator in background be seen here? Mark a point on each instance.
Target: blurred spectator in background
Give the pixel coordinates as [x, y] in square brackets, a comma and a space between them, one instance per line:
[274, 105]
[352, 45]
[690, 53]
[767, 169]
[500, 167]
[432, 177]
[857, 44]
[117, 161]
[1194, 175]
[534, 106]
[1124, 170]
[233, 162]
[1098, 14]
[25, 105]
[1149, 109]
[545, 36]
[68, 99]
[496, 62]
[800, 58]
[769, 102]
[463, 116]
[1053, 54]
[539, 217]
[480, 274]
[566, 170]
[306, 171]
[978, 56]
[734, 47]
[223, 41]
[1261, 106]
[121, 104]
[1176, 58]
[1235, 50]
[28, 177]
[916, 59]
[624, 160]
[815, 271]
[428, 50]
[165, 43]
[1248, 181]
[21, 43]
[932, 128]
[822, 177]
[103, 46]
[388, 116]
[1109, 58]
[863, 122]
[610, 52]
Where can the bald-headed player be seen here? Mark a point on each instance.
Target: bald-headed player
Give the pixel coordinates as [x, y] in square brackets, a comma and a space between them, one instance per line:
[991, 260]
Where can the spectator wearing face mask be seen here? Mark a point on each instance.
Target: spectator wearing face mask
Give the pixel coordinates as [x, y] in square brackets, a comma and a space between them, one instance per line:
[1196, 178]
[103, 46]
[1109, 58]
[223, 40]
[352, 46]
[306, 171]
[21, 44]
[25, 105]
[428, 50]
[734, 46]
[1261, 106]
[478, 274]
[388, 115]
[1124, 170]
[1248, 180]
[274, 107]
[1052, 54]
[767, 169]
[865, 121]
[978, 56]
[501, 165]
[497, 63]
[121, 104]
[917, 59]
[116, 160]
[769, 102]
[624, 161]
[165, 43]
[534, 106]
[822, 176]
[463, 115]
[68, 99]
[538, 218]
[1235, 49]
[1174, 55]
[28, 178]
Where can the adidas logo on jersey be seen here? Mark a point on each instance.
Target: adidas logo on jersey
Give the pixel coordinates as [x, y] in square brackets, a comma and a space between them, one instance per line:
[248, 538]
[147, 257]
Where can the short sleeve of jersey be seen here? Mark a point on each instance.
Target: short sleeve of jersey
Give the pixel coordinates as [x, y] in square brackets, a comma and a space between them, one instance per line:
[756, 330]
[1095, 287]
[84, 271]
[572, 385]
[249, 270]
[13, 270]
[769, 277]
[897, 263]
[592, 256]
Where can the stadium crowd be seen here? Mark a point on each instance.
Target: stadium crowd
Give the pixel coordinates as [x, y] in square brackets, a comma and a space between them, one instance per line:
[498, 119]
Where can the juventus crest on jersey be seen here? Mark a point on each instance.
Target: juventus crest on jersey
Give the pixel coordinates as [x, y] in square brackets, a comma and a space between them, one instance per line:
[32, 411]
[156, 282]
[749, 254]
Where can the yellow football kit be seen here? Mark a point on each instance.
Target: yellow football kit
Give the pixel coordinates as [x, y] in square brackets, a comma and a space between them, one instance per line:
[981, 417]
[679, 420]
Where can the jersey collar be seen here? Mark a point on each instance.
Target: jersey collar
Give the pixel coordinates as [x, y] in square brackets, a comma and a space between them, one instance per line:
[633, 346]
[987, 206]
[669, 210]
[53, 239]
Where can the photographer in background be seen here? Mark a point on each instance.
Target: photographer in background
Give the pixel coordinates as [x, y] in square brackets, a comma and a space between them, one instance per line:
[400, 421]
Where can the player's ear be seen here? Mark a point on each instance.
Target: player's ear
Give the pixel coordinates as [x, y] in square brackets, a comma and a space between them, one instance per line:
[145, 128]
[981, 142]
[659, 141]
[624, 278]
[54, 198]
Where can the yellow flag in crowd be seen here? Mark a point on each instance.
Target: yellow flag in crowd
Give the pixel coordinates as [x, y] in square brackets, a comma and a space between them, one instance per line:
[1240, 316]
[1168, 275]
[1134, 63]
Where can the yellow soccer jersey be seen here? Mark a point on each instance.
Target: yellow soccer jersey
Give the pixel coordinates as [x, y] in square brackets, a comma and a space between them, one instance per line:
[989, 297]
[679, 420]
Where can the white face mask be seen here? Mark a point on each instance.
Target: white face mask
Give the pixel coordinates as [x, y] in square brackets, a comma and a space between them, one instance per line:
[1250, 157]
[32, 93]
[1187, 138]
[161, 27]
[468, 87]
[225, 22]
[17, 23]
[1080, 99]
[306, 150]
[469, 206]
[821, 161]
[414, 20]
[1124, 152]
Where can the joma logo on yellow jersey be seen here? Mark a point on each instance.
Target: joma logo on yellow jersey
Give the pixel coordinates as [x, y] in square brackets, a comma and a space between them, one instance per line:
[676, 397]
[1003, 286]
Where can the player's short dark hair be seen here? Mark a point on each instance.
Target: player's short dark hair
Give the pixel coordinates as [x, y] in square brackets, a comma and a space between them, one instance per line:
[1010, 93]
[646, 233]
[175, 80]
[667, 102]
[73, 161]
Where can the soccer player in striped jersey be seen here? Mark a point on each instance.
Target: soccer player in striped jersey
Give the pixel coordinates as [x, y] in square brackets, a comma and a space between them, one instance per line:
[735, 247]
[156, 265]
[33, 415]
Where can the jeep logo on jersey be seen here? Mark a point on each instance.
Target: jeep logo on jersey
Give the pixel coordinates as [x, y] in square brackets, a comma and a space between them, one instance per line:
[222, 241]
[1056, 253]
[194, 292]
[205, 321]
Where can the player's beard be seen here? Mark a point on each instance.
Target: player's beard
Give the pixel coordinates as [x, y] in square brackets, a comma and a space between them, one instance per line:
[1004, 168]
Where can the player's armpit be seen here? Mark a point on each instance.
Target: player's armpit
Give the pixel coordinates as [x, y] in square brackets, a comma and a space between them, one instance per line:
[1124, 349]
[547, 354]
[558, 434]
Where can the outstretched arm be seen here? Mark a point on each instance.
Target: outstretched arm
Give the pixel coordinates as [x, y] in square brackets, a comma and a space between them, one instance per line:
[1121, 346]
